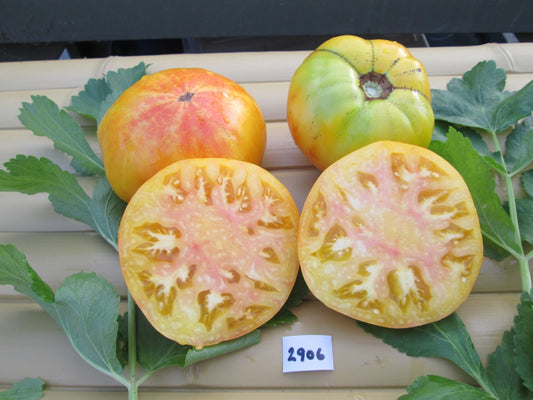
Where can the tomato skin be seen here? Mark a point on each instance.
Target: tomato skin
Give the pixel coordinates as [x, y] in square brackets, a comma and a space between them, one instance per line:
[176, 114]
[208, 249]
[389, 235]
[329, 110]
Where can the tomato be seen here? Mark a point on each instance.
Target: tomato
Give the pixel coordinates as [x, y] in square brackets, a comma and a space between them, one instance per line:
[389, 235]
[350, 92]
[176, 114]
[208, 249]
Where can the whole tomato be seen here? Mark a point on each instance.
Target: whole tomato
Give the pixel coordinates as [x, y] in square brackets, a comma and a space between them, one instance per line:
[350, 92]
[176, 114]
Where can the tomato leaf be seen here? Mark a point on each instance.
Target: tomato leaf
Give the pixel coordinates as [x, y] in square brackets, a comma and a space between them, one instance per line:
[106, 211]
[478, 100]
[44, 118]
[519, 147]
[523, 338]
[502, 373]
[87, 102]
[447, 338]
[524, 209]
[527, 182]
[433, 387]
[229, 346]
[26, 389]
[496, 224]
[85, 306]
[31, 175]
[155, 351]
[15, 271]
[99, 94]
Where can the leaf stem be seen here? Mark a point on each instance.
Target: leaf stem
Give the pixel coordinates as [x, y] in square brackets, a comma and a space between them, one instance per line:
[525, 274]
[132, 350]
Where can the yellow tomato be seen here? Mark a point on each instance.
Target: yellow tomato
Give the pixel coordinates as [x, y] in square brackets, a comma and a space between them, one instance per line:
[389, 235]
[350, 92]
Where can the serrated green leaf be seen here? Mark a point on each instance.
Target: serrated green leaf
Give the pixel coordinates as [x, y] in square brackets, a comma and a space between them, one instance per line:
[495, 223]
[86, 308]
[472, 100]
[502, 373]
[519, 147]
[478, 100]
[15, 271]
[44, 118]
[31, 175]
[513, 108]
[27, 389]
[433, 387]
[88, 101]
[106, 210]
[523, 339]
[447, 338]
[99, 94]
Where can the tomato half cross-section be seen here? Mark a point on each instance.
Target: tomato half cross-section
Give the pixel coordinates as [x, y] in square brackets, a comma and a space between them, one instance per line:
[350, 92]
[175, 114]
[208, 249]
[389, 235]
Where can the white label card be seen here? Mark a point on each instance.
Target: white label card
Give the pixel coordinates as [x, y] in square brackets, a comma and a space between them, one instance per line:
[307, 353]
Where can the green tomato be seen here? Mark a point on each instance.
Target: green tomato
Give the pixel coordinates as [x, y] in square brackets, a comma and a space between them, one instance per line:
[351, 92]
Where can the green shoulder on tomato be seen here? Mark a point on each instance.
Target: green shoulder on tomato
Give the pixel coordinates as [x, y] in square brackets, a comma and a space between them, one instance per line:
[350, 92]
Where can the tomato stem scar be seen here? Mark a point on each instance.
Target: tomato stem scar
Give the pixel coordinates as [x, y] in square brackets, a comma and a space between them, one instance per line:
[186, 97]
[375, 86]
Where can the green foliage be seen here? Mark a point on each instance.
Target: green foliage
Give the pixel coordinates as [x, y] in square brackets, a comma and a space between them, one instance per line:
[433, 387]
[44, 118]
[473, 114]
[27, 389]
[99, 94]
[86, 306]
[31, 175]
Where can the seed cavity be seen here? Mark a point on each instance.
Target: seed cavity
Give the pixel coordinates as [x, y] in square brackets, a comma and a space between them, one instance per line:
[159, 242]
[408, 288]
[336, 245]
[212, 306]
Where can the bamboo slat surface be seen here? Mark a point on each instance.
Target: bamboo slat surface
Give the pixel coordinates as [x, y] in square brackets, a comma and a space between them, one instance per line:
[31, 344]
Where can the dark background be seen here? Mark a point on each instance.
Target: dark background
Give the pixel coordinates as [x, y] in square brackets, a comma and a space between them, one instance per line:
[51, 29]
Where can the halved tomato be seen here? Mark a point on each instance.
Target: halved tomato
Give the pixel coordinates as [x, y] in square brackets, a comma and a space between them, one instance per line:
[389, 235]
[208, 249]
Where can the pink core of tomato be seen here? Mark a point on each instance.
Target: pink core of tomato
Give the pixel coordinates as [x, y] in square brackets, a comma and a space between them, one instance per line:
[390, 233]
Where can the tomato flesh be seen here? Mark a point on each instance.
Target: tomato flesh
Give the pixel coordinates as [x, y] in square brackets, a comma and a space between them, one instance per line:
[389, 235]
[208, 249]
